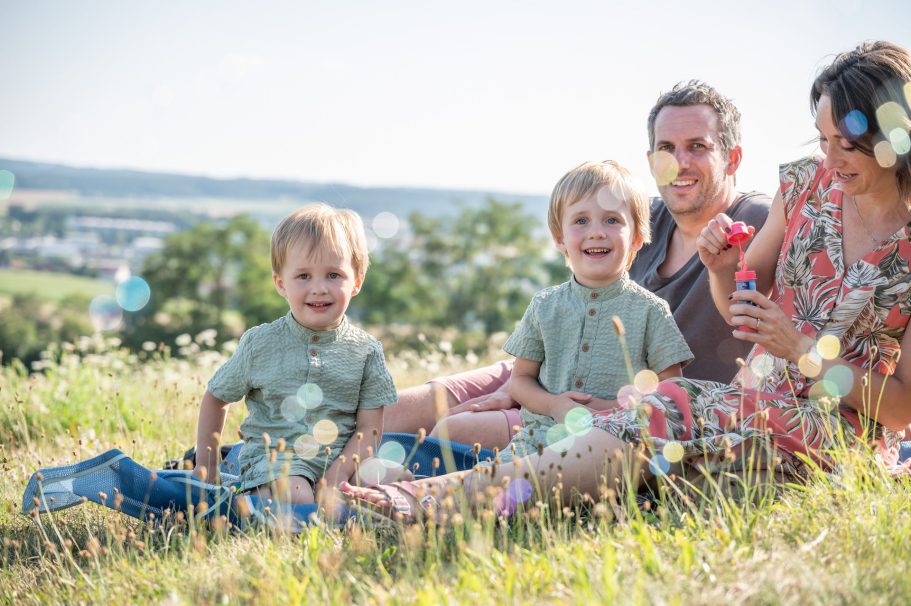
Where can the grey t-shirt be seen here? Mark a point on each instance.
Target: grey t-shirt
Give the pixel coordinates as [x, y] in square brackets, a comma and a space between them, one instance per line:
[687, 292]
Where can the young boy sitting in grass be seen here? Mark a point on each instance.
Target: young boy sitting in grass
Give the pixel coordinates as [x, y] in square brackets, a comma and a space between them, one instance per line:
[579, 342]
[314, 384]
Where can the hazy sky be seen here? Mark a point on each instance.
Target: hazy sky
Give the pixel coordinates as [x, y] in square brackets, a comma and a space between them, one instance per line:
[472, 94]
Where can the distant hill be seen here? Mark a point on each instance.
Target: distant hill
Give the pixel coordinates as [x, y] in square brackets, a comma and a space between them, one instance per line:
[108, 183]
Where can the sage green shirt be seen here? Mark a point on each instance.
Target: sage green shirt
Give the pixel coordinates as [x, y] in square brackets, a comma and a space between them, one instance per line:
[293, 378]
[568, 328]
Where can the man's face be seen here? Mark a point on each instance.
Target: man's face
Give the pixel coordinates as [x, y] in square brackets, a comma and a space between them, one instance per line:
[688, 163]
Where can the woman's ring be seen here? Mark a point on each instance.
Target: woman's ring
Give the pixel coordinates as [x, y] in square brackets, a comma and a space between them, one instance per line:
[758, 321]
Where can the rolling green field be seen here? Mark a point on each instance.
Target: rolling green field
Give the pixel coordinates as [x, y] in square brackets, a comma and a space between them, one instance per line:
[842, 538]
[50, 286]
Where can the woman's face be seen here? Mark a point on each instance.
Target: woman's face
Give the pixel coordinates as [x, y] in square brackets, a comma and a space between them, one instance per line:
[857, 173]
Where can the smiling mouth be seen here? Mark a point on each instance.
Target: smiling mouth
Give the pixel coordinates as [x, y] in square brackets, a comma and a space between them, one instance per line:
[683, 182]
[597, 252]
[318, 306]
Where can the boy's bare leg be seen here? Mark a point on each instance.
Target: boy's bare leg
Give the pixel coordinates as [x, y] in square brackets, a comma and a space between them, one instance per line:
[295, 490]
[415, 409]
[593, 459]
[490, 429]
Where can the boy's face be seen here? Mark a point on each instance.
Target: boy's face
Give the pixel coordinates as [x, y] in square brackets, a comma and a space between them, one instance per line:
[598, 238]
[318, 286]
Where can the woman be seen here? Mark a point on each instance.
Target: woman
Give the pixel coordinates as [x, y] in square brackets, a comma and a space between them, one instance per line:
[828, 317]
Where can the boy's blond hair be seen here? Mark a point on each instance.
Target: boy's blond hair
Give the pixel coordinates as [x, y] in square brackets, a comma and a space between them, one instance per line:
[314, 225]
[585, 180]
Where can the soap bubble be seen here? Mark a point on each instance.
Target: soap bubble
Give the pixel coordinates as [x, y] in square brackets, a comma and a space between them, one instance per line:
[646, 381]
[841, 380]
[673, 452]
[658, 465]
[762, 365]
[133, 294]
[664, 167]
[310, 395]
[291, 409]
[325, 431]
[385, 225]
[828, 347]
[105, 313]
[578, 421]
[306, 447]
[558, 437]
[7, 183]
[392, 452]
[371, 472]
[855, 122]
[885, 154]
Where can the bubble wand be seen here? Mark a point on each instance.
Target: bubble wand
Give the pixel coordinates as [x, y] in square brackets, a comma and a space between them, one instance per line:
[745, 278]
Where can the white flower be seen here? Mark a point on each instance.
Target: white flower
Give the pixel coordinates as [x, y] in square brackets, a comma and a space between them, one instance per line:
[183, 340]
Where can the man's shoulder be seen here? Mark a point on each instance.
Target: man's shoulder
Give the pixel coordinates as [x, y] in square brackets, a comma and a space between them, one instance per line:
[752, 208]
[644, 296]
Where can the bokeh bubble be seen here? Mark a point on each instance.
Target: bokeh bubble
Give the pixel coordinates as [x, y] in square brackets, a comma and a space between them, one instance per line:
[7, 184]
[823, 390]
[385, 225]
[890, 116]
[658, 465]
[558, 437]
[578, 421]
[762, 365]
[392, 452]
[628, 397]
[306, 447]
[646, 381]
[520, 490]
[810, 364]
[672, 452]
[900, 141]
[855, 122]
[133, 294]
[828, 347]
[608, 199]
[310, 395]
[664, 167]
[105, 313]
[371, 472]
[291, 409]
[885, 154]
[841, 378]
[325, 431]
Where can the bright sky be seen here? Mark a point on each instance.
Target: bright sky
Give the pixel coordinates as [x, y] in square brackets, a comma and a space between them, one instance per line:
[475, 94]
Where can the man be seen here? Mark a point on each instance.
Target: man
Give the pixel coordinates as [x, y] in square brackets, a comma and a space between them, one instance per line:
[694, 140]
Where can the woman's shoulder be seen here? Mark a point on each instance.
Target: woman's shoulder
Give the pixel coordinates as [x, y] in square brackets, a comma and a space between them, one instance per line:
[799, 172]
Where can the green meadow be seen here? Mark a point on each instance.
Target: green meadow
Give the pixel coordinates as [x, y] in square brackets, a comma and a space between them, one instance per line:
[841, 538]
[50, 286]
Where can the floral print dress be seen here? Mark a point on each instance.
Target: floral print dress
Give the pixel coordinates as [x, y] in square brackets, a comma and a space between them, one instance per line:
[864, 308]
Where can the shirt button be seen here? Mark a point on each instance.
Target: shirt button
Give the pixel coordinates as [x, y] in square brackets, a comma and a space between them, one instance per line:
[315, 338]
[592, 312]
[578, 382]
[309, 419]
[594, 295]
[585, 347]
[313, 352]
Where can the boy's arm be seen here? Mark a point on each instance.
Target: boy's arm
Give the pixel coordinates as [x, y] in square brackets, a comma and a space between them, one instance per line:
[369, 424]
[674, 370]
[212, 413]
[525, 389]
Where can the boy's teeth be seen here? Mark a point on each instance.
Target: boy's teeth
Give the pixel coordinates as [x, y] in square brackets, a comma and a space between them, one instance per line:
[598, 250]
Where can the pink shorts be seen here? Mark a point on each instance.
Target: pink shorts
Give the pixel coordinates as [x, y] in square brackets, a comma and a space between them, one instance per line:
[480, 382]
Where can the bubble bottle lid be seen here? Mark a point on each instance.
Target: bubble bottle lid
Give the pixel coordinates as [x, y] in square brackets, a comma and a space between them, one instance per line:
[739, 233]
[744, 275]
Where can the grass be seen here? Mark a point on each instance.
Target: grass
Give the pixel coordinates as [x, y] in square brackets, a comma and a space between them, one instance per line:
[840, 539]
[50, 286]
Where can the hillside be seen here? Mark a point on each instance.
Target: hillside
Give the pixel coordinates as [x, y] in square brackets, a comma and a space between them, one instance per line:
[115, 183]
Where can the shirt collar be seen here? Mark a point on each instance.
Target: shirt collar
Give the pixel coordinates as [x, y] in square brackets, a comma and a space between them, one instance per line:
[600, 294]
[315, 336]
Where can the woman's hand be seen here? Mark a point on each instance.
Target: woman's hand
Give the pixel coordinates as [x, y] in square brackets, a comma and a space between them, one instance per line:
[774, 330]
[713, 248]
